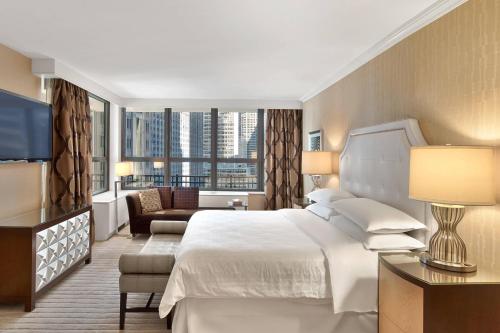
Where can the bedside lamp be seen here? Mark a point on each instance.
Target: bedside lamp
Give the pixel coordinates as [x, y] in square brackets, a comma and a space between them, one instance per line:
[317, 163]
[122, 169]
[451, 177]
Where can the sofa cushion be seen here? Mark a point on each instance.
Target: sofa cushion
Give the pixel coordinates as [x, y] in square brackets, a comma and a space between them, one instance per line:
[165, 196]
[171, 214]
[150, 200]
[186, 197]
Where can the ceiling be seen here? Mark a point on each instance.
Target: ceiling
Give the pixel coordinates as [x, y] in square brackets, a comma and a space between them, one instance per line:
[217, 49]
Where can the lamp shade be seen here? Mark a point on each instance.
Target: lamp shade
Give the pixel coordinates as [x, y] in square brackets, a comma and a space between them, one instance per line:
[452, 175]
[158, 165]
[123, 169]
[318, 162]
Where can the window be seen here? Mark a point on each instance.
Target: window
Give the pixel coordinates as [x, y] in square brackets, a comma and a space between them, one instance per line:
[207, 148]
[99, 112]
[238, 148]
[144, 144]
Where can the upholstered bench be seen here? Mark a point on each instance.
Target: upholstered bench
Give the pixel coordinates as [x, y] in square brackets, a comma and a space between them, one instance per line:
[148, 271]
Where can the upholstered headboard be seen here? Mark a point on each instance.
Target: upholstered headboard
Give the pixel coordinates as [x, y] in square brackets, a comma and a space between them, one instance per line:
[375, 164]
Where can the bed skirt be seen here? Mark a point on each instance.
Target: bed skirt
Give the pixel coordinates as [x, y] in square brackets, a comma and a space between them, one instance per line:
[246, 315]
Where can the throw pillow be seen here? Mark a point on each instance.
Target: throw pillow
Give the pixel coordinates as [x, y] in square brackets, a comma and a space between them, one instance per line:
[150, 200]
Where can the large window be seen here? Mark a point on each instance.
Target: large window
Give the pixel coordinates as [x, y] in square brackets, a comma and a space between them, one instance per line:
[99, 111]
[207, 148]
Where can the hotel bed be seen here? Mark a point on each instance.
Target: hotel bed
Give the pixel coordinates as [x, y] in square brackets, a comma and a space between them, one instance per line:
[290, 270]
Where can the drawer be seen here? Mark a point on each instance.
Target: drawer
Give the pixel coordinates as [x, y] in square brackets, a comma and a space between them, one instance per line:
[400, 302]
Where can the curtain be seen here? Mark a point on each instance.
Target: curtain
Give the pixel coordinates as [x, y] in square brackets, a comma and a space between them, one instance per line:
[70, 180]
[283, 158]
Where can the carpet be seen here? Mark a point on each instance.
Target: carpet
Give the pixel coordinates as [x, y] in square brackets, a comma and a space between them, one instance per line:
[88, 299]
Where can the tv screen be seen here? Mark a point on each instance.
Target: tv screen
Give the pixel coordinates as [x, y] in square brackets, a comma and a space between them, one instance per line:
[25, 129]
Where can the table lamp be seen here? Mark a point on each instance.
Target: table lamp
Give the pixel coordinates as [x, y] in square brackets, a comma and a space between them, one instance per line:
[450, 178]
[317, 163]
[122, 169]
[158, 165]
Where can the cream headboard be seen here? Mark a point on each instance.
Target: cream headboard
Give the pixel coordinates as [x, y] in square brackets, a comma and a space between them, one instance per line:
[375, 164]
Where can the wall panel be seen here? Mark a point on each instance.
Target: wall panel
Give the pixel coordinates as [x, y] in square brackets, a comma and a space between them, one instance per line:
[446, 75]
[20, 184]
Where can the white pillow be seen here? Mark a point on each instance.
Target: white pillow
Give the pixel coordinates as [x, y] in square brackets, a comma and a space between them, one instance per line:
[373, 216]
[326, 196]
[321, 211]
[379, 242]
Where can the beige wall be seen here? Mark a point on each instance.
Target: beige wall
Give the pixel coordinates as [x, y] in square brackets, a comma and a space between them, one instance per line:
[20, 184]
[447, 75]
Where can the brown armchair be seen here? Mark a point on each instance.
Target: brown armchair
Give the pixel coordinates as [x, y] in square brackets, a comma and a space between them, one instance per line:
[178, 204]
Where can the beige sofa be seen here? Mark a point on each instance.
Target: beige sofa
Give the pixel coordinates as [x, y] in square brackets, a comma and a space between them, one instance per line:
[148, 271]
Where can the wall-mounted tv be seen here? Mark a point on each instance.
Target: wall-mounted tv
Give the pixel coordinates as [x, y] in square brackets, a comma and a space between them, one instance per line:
[25, 128]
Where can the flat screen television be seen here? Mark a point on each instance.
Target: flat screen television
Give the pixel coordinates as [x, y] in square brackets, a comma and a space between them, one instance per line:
[25, 128]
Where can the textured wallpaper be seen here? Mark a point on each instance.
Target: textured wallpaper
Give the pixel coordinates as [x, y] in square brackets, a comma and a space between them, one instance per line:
[20, 185]
[446, 75]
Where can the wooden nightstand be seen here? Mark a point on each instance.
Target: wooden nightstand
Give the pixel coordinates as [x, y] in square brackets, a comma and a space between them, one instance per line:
[414, 298]
[301, 203]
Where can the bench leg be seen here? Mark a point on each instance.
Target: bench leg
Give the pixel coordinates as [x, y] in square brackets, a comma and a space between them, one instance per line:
[123, 309]
[148, 304]
[169, 320]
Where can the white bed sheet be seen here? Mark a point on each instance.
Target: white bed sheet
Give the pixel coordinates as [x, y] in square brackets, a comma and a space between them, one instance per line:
[251, 315]
[353, 269]
[281, 254]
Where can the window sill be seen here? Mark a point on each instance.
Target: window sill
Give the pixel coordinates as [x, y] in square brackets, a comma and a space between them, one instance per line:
[226, 193]
[110, 195]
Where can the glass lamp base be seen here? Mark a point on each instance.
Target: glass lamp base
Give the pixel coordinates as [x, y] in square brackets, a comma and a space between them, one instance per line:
[427, 259]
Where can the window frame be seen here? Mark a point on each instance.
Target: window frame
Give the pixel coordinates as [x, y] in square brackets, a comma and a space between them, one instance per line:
[213, 159]
[104, 158]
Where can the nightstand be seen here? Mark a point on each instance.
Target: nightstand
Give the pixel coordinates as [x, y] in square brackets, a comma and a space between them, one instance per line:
[414, 298]
[301, 203]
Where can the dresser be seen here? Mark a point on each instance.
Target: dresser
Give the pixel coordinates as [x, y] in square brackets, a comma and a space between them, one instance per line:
[39, 248]
[414, 298]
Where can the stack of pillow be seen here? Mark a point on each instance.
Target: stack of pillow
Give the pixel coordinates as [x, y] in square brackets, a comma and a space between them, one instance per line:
[378, 226]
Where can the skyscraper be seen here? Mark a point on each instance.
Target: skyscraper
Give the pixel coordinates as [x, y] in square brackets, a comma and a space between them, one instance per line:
[145, 138]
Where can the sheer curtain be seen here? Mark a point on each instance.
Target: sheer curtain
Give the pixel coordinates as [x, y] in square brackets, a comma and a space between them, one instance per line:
[283, 158]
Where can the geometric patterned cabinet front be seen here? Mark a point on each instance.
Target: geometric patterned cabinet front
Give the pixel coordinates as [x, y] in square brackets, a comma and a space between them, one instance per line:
[61, 246]
[41, 247]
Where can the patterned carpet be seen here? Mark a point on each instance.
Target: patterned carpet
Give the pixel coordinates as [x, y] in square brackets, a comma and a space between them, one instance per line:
[88, 299]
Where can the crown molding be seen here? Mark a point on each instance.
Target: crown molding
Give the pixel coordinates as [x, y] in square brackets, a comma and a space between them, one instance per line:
[52, 68]
[426, 17]
[154, 104]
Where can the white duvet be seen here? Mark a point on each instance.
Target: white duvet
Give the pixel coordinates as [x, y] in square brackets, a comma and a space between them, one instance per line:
[273, 254]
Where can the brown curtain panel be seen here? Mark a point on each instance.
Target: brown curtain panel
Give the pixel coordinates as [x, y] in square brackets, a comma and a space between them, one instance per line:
[283, 158]
[70, 175]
